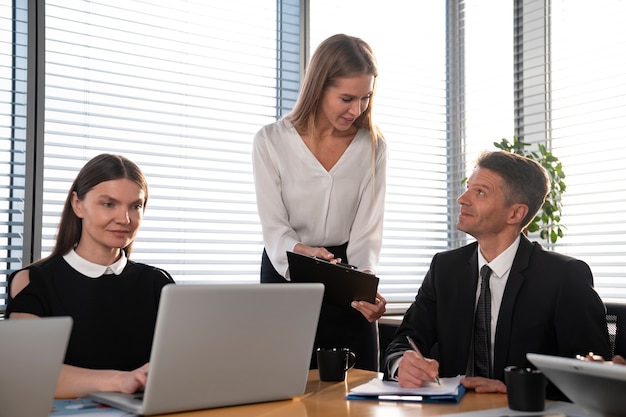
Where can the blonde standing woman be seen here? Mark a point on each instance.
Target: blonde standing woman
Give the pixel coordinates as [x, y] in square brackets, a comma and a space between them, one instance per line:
[320, 177]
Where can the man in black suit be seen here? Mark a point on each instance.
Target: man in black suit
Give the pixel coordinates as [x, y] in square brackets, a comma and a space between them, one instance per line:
[540, 301]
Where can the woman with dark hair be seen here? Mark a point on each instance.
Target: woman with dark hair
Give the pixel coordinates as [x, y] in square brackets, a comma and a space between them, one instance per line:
[320, 177]
[112, 300]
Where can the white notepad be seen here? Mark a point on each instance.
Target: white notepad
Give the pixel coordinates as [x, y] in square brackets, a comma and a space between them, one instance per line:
[450, 391]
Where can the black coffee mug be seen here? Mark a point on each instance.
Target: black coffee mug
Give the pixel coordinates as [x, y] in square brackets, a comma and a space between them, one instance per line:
[525, 388]
[333, 363]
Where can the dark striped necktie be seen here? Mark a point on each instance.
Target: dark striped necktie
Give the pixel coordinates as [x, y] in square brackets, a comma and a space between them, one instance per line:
[482, 327]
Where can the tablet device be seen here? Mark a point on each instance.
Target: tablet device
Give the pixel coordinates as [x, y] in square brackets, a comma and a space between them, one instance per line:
[596, 387]
[343, 283]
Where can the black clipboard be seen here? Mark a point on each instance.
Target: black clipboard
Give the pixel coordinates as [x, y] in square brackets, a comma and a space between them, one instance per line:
[343, 284]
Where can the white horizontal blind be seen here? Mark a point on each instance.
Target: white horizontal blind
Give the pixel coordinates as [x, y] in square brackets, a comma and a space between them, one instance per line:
[408, 39]
[588, 124]
[488, 70]
[180, 88]
[13, 44]
[486, 93]
[120, 79]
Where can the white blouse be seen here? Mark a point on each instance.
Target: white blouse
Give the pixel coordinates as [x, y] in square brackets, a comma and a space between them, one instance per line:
[299, 201]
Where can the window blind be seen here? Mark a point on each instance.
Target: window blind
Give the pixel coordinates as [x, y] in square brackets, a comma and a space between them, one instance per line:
[180, 88]
[201, 222]
[488, 94]
[588, 98]
[13, 53]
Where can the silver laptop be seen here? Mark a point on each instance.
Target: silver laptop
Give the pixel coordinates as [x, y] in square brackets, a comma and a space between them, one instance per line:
[31, 355]
[221, 345]
[596, 387]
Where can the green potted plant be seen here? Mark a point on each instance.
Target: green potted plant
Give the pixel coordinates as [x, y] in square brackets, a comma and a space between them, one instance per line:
[548, 220]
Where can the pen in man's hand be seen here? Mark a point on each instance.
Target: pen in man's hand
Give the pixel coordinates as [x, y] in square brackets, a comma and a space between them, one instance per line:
[416, 350]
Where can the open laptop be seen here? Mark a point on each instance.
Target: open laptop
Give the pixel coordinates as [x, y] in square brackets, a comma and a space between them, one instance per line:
[343, 283]
[31, 355]
[221, 345]
[598, 388]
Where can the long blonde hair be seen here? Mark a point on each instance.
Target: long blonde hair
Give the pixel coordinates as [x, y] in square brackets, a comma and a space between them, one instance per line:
[339, 56]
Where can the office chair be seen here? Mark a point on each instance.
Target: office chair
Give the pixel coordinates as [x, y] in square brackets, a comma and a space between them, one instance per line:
[616, 320]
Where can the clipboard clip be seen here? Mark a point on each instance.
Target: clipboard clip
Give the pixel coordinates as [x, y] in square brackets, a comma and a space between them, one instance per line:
[336, 263]
[346, 265]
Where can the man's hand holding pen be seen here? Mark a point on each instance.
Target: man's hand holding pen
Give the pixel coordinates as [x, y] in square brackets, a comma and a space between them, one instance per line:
[414, 369]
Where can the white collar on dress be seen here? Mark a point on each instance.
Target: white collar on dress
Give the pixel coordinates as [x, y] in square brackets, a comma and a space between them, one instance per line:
[93, 270]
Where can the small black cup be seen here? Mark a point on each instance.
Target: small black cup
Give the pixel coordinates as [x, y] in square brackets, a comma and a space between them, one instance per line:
[525, 388]
[333, 363]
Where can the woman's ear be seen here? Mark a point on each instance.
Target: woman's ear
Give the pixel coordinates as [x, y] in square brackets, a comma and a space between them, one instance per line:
[76, 205]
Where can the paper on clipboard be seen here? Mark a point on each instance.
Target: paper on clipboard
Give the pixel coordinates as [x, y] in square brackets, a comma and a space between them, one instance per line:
[450, 391]
[342, 284]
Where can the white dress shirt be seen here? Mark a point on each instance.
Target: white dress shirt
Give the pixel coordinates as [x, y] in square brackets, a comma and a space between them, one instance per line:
[299, 201]
[501, 268]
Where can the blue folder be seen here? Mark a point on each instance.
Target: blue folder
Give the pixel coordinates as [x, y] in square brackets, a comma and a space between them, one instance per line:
[441, 399]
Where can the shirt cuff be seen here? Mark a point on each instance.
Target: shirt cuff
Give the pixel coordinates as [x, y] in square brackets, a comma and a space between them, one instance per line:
[393, 369]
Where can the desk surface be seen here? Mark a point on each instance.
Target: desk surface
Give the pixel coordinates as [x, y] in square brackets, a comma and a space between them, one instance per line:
[328, 399]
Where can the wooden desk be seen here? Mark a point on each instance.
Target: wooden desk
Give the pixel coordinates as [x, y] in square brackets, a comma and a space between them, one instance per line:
[327, 399]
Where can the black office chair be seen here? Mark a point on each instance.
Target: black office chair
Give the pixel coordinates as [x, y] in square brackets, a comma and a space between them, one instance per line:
[616, 320]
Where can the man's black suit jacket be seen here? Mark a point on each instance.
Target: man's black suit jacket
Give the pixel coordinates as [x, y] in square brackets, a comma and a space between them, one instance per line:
[549, 306]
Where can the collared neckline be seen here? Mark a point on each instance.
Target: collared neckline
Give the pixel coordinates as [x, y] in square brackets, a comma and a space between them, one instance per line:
[502, 264]
[93, 270]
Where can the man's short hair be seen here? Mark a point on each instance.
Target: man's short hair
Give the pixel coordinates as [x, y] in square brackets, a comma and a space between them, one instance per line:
[525, 180]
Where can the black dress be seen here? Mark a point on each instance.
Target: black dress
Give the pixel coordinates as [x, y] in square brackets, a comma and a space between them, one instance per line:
[114, 315]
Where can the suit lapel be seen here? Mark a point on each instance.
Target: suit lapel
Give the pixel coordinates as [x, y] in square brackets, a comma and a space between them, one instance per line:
[467, 304]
